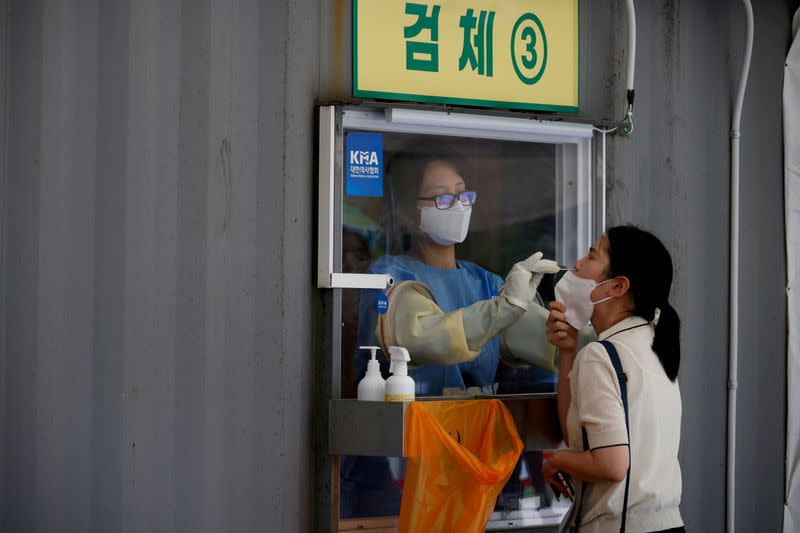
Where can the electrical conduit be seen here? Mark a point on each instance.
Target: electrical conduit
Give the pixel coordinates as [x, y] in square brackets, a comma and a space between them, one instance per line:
[627, 127]
[733, 325]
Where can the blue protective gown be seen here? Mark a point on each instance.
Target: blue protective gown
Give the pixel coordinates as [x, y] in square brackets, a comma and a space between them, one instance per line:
[452, 289]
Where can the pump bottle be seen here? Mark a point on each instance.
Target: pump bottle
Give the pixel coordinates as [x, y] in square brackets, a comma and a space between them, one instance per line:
[372, 387]
[400, 386]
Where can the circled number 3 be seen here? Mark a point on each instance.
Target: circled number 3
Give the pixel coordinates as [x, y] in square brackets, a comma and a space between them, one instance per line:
[529, 35]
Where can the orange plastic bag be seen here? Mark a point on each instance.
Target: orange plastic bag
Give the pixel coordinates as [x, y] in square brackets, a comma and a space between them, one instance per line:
[460, 455]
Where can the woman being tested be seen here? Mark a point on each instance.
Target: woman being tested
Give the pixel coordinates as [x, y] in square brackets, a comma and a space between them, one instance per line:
[618, 399]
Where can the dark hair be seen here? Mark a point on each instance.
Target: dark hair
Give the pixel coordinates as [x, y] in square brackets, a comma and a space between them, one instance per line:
[404, 172]
[642, 258]
[407, 167]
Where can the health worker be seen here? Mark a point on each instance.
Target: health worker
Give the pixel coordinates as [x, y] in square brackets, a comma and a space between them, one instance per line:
[456, 318]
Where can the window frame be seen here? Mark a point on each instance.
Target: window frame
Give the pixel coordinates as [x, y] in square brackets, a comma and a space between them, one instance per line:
[574, 179]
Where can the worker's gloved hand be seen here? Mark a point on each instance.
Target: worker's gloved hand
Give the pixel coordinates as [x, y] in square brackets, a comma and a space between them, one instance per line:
[521, 282]
[538, 268]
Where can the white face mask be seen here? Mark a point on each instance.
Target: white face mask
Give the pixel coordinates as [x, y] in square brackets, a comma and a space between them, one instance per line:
[446, 226]
[575, 294]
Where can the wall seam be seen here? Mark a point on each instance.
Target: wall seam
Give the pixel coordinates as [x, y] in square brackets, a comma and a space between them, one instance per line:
[4, 118]
[284, 222]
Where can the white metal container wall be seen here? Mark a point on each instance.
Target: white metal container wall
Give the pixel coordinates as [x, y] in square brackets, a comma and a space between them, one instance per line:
[156, 198]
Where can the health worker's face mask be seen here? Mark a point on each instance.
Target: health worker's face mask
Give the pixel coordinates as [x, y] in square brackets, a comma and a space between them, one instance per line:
[446, 226]
[575, 294]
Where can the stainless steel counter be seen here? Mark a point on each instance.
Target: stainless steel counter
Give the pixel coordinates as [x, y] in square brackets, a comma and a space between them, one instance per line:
[376, 428]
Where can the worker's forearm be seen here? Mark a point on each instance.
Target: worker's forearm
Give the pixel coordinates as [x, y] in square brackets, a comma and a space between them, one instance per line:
[525, 341]
[485, 319]
[566, 359]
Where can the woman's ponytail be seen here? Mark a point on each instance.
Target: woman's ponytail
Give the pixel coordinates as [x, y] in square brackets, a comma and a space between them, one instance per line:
[643, 259]
[666, 342]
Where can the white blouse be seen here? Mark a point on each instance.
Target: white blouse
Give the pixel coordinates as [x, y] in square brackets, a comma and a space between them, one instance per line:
[654, 404]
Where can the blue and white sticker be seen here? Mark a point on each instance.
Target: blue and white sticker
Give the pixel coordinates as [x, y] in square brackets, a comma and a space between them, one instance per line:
[382, 304]
[364, 164]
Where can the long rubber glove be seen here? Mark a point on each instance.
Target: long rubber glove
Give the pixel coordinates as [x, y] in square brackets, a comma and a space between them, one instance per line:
[525, 341]
[431, 336]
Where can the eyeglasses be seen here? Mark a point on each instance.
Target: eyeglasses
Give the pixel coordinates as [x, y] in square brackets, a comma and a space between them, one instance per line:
[446, 201]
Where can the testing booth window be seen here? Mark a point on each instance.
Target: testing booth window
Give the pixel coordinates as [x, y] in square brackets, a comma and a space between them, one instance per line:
[416, 196]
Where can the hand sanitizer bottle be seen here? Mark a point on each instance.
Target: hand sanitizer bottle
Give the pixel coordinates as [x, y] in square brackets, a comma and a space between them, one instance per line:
[399, 387]
[372, 387]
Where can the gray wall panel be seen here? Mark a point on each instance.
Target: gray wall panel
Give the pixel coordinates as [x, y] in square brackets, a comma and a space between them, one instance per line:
[672, 176]
[268, 331]
[148, 293]
[109, 395]
[4, 57]
[302, 80]
[155, 383]
[65, 273]
[191, 282]
[22, 267]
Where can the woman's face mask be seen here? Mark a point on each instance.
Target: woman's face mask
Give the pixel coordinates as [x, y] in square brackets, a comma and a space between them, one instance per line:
[575, 294]
[445, 226]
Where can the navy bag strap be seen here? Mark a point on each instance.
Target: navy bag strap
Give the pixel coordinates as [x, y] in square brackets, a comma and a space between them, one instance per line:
[623, 389]
[583, 485]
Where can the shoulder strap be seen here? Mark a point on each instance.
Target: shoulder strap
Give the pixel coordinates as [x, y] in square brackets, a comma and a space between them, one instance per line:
[623, 388]
[583, 485]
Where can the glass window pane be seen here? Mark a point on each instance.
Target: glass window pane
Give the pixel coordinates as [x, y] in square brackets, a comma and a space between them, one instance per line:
[514, 215]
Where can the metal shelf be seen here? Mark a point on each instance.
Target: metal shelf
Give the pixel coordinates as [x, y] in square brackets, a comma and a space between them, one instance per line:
[376, 428]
